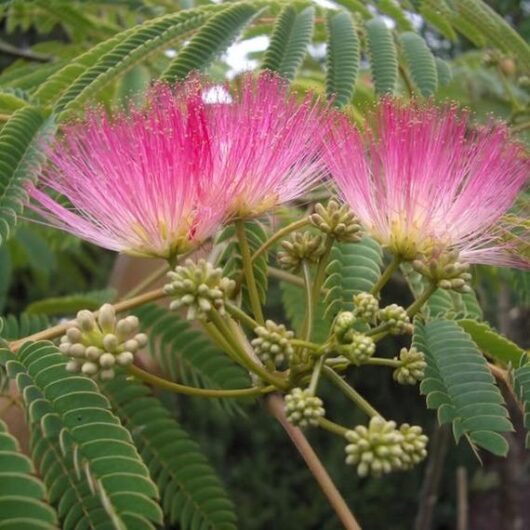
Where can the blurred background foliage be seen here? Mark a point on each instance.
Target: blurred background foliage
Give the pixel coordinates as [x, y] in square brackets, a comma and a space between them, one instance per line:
[268, 482]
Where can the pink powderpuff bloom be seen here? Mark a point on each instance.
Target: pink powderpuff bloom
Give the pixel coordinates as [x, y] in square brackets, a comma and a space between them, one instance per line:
[424, 181]
[159, 180]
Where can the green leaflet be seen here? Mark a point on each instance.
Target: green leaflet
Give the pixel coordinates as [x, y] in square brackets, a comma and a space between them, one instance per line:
[22, 494]
[343, 55]
[383, 56]
[353, 267]
[459, 385]
[191, 492]
[443, 70]
[136, 47]
[493, 343]
[70, 304]
[521, 385]
[186, 355]
[438, 14]
[421, 63]
[394, 10]
[13, 328]
[290, 37]
[70, 410]
[21, 141]
[211, 40]
[293, 298]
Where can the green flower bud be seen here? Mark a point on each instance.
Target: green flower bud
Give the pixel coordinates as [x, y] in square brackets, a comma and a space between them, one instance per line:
[414, 445]
[302, 246]
[360, 349]
[199, 286]
[445, 271]
[376, 449]
[303, 408]
[412, 368]
[337, 221]
[273, 343]
[397, 319]
[366, 306]
[343, 327]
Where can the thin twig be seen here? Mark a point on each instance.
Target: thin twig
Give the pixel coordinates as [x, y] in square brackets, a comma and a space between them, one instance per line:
[275, 404]
[462, 509]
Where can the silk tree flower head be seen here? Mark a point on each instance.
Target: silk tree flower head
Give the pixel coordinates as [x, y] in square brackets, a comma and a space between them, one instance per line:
[266, 144]
[160, 179]
[425, 182]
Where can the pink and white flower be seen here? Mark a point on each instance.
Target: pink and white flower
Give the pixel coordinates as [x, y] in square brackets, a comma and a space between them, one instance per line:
[160, 180]
[423, 181]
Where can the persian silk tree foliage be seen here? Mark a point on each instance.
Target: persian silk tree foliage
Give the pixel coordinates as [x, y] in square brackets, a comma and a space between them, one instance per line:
[199, 167]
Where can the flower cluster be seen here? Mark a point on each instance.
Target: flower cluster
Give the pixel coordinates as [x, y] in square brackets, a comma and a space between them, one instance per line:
[302, 246]
[337, 221]
[97, 345]
[273, 343]
[366, 306]
[382, 448]
[200, 287]
[303, 408]
[396, 318]
[412, 367]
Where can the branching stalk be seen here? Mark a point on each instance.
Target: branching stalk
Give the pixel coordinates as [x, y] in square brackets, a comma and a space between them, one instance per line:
[387, 274]
[350, 392]
[280, 234]
[164, 384]
[415, 307]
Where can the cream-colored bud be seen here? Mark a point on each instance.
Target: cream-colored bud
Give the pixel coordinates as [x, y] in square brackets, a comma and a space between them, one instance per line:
[107, 318]
[106, 375]
[107, 360]
[110, 342]
[93, 353]
[73, 335]
[77, 350]
[73, 366]
[89, 368]
[124, 358]
[86, 320]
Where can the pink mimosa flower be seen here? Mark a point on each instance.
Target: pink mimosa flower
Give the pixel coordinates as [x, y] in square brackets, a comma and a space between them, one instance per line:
[424, 181]
[160, 180]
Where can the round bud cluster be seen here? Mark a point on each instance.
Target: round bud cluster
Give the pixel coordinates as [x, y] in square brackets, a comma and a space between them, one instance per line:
[200, 287]
[414, 445]
[273, 343]
[412, 368]
[338, 221]
[302, 246]
[303, 408]
[446, 272]
[366, 306]
[97, 346]
[397, 319]
[343, 327]
[382, 448]
[524, 81]
[359, 350]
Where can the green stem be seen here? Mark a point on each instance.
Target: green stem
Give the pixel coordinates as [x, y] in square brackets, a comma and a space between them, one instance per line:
[315, 376]
[333, 427]
[350, 392]
[279, 235]
[378, 329]
[321, 268]
[378, 361]
[387, 274]
[418, 303]
[241, 316]
[192, 391]
[308, 323]
[306, 344]
[521, 127]
[249, 271]
[242, 356]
